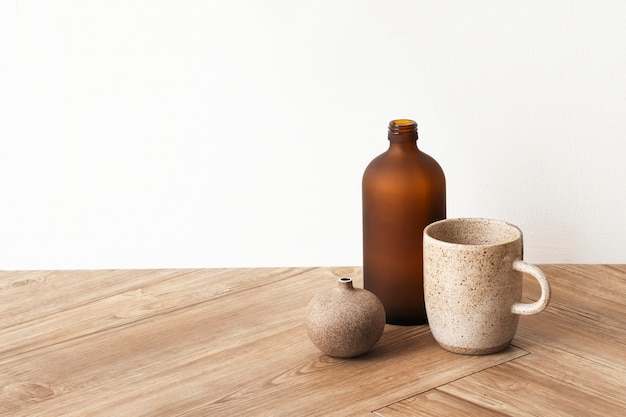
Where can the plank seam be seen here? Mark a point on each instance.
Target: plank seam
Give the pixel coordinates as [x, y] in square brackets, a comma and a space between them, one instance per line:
[375, 412]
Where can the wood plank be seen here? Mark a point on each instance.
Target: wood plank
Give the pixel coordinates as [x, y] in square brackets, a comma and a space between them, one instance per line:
[436, 403]
[586, 316]
[527, 388]
[29, 295]
[405, 363]
[172, 291]
[244, 352]
[577, 361]
[84, 368]
[248, 379]
[555, 383]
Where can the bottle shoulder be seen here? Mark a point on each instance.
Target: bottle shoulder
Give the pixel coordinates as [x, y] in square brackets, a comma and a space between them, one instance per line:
[394, 163]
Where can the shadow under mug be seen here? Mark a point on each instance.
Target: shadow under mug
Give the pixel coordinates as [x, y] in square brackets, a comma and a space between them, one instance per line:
[473, 284]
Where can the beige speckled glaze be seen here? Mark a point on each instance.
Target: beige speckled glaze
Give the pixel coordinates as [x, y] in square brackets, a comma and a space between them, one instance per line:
[345, 321]
[473, 284]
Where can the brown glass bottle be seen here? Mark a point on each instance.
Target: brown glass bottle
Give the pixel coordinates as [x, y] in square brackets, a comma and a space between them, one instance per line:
[404, 190]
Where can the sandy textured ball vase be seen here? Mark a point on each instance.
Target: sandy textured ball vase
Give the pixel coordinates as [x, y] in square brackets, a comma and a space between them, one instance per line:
[345, 321]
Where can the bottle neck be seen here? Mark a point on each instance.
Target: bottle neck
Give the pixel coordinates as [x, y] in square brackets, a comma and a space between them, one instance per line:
[402, 131]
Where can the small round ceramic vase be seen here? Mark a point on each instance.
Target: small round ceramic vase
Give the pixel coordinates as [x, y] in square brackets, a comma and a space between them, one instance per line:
[345, 321]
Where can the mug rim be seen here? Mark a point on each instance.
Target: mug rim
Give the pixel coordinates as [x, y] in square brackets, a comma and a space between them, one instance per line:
[516, 230]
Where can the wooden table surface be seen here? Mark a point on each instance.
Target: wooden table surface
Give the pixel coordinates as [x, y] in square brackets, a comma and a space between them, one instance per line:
[232, 342]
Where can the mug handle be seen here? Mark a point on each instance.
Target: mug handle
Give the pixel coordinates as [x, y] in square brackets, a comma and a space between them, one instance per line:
[532, 308]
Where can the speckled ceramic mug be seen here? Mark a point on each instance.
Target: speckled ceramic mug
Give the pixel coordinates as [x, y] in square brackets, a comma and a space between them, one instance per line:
[473, 284]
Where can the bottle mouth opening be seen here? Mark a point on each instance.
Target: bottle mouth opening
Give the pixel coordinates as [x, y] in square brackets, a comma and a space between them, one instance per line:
[402, 125]
[402, 122]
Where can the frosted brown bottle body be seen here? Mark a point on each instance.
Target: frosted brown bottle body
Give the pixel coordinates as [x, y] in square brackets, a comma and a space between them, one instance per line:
[403, 191]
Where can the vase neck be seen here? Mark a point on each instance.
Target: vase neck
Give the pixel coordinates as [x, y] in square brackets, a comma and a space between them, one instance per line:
[345, 283]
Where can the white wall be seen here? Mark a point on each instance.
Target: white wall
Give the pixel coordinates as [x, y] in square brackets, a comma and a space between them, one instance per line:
[235, 133]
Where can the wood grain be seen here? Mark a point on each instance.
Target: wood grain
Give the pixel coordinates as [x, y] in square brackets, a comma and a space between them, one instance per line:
[25, 295]
[232, 342]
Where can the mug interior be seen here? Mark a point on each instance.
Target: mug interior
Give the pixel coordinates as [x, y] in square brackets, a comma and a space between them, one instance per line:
[473, 231]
